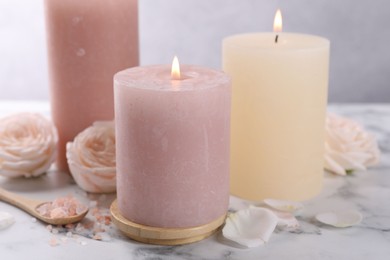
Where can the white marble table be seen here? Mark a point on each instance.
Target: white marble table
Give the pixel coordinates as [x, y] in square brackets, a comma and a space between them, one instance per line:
[368, 192]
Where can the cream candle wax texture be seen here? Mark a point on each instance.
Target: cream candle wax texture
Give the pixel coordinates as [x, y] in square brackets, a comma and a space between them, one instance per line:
[172, 145]
[279, 95]
[88, 42]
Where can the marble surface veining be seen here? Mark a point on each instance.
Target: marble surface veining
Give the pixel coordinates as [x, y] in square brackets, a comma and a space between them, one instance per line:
[365, 191]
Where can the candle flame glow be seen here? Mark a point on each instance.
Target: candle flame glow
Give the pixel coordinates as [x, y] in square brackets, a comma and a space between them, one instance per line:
[278, 21]
[175, 72]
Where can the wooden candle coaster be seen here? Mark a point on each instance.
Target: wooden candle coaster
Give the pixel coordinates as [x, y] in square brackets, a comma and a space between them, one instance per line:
[163, 236]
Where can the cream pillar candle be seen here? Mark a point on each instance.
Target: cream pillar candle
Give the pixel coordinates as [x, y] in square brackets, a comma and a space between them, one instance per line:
[279, 95]
[172, 145]
[88, 41]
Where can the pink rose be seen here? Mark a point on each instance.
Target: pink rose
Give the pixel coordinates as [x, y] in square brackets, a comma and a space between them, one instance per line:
[27, 145]
[348, 146]
[91, 158]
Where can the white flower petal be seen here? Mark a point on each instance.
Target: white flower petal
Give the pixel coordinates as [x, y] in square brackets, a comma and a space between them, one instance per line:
[91, 158]
[27, 145]
[284, 205]
[345, 161]
[332, 166]
[348, 146]
[340, 219]
[287, 219]
[7, 156]
[250, 227]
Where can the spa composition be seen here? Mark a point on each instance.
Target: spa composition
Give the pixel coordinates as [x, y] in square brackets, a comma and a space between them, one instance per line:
[173, 132]
[88, 42]
[279, 95]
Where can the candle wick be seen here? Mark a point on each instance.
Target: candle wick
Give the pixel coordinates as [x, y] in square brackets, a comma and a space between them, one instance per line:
[276, 38]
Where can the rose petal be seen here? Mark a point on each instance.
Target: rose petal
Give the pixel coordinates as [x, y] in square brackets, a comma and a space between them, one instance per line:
[345, 161]
[286, 219]
[340, 219]
[284, 205]
[332, 166]
[250, 227]
[27, 145]
[91, 158]
[348, 146]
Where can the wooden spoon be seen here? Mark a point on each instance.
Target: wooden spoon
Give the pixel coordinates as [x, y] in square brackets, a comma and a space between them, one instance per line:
[30, 206]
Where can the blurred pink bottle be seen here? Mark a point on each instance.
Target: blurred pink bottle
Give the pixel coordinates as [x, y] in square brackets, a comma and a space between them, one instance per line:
[88, 42]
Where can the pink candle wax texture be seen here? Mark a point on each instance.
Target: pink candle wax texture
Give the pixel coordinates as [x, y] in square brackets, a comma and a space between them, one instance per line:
[88, 42]
[172, 145]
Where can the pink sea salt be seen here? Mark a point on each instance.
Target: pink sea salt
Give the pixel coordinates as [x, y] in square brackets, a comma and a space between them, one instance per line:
[53, 242]
[96, 226]
[62, 207]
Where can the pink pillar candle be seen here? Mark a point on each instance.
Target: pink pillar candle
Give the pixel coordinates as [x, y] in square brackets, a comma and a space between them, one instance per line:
[172, 145]
[88, 42]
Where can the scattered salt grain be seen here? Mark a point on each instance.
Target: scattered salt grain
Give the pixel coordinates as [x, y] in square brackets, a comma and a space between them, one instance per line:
[53, 242]
[97, 237]
[107, 220]
[69, 226]
[103, 236]
[33, 220]
[6, 220]
[79, 227]
[82, 242]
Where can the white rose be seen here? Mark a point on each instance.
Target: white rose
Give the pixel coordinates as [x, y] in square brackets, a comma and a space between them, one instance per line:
[27, 145]
[91, 158]
[348, 146]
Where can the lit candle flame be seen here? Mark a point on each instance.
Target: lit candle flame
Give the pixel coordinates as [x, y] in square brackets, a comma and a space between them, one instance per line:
[278, 21]
[175, 72]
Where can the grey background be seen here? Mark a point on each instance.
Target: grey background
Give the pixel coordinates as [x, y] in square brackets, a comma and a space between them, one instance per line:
[193, 29]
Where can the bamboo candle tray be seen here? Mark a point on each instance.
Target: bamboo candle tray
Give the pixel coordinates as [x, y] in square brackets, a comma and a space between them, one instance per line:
[163, 236]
